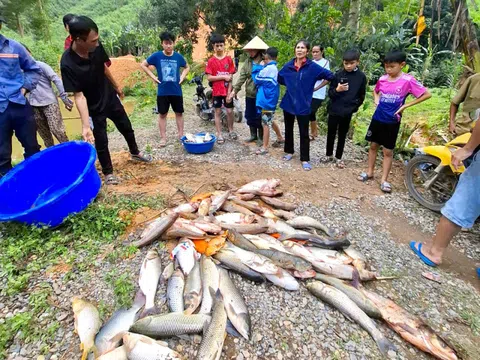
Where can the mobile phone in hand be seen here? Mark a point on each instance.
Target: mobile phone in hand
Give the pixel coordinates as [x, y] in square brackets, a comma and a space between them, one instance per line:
[343, 81]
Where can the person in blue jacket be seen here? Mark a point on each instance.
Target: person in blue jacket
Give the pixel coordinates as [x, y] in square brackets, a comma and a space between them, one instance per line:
[265, 77]
[299, 76]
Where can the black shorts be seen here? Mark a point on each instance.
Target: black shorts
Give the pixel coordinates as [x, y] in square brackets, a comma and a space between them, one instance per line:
[218, 101]
[164, 102]
[384, 134]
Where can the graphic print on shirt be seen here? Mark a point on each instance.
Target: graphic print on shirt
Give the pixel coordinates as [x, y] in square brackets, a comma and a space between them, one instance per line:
[169, 70]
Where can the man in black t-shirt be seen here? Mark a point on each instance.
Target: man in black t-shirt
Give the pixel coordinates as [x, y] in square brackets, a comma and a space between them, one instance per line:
[96, 93]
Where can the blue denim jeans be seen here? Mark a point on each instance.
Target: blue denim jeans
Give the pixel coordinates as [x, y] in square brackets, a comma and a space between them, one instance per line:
[19, 119]
[463, 208]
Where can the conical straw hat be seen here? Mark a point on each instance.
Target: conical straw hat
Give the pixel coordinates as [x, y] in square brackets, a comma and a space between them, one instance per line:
[256, 44]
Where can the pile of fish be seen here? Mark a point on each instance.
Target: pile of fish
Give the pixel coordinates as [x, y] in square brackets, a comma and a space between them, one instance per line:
[253, 232]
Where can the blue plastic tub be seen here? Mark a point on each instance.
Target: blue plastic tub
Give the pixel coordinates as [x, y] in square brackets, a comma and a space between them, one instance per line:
[49, 186]
[203, 148]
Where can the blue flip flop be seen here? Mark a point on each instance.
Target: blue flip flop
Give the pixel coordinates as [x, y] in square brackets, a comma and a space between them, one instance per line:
[418, 252]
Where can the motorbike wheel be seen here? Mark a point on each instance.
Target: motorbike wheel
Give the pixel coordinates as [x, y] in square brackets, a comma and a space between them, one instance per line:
[421, 169]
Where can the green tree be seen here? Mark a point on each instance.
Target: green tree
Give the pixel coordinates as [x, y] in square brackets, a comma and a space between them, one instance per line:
[13, 10]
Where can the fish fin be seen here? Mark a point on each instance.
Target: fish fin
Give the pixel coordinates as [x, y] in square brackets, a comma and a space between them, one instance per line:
[355, 278]
[148, 312]
[85, 353]
[96, 354]
[231, 330]
[139, 300]
[118, 337]
[385, 345]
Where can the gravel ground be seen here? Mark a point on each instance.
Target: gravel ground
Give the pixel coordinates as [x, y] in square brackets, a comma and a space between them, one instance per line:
[288, 325]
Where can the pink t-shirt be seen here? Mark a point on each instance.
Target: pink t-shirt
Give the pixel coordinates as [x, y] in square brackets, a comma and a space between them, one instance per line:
[393, 95]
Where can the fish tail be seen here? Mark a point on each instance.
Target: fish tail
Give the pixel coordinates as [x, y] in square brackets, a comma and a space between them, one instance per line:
[384, 345]
[85, 353]
[148, 312]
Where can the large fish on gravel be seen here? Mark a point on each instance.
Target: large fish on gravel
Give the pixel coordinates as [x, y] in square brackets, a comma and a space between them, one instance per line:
[232, 207]
[185, 254]
[355, 295]
[186, 208]
[255, 208]
[139, 347]
[175, 287]
[87, 323]
[286, 261]
[193, 290]
[207, 226]
[264, 187]
[304, 222]
[266, 242]
[210, 280]
[411, 328]
[287, 215]
[218, 199]
[346, 306]
[284, 280]
[277, 203]
[254, 261]
[340, 271]
[150, 273]
[235, 306]
[319, 241]
[172, 324]
[246, 228]
[155, 229]
[119, 322]
[239, 240]
[330, 256]
[180, 230]
[235, 218]
[280, 227]
[229, 260]
[214, 336]
[204, 207]
[119, 353]
[167, 272]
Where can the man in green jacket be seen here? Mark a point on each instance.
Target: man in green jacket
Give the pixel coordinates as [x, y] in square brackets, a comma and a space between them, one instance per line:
[255, 50]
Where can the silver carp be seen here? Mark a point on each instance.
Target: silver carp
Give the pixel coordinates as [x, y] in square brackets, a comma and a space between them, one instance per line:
[277, 203]
[346, 306]
[139, 347]
[303, 222]
[284, 280]
[150, 273]
[235, 306]
[155, 229]
[210, 280]
[233, 263]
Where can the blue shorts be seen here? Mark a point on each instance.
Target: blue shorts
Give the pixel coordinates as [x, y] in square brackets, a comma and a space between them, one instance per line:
[463, 208]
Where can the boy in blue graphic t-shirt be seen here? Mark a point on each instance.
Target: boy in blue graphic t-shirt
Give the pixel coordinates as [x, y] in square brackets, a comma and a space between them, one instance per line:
[168, 64]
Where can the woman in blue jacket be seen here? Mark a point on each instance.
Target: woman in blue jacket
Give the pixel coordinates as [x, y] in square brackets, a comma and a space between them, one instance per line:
[299, 76]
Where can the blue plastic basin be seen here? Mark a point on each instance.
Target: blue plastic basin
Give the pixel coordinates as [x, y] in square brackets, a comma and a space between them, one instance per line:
[202, 148]
[50, 185]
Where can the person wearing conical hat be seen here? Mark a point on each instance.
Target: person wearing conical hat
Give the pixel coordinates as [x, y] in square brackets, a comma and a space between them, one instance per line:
[255, 50]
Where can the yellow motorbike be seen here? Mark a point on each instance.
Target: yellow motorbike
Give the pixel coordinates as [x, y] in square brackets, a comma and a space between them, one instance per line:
[430, 176]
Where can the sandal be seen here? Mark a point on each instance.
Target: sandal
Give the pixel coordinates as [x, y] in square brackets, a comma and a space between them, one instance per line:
[220, 140]
[278, 143]
[306, 166]
[287, 157]
[386, 187]
[111, 179]
[233, 135]
[363, 177]
[340, 164]
[140, 157]
[417, 249]
[261, 151]
[163, 142]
